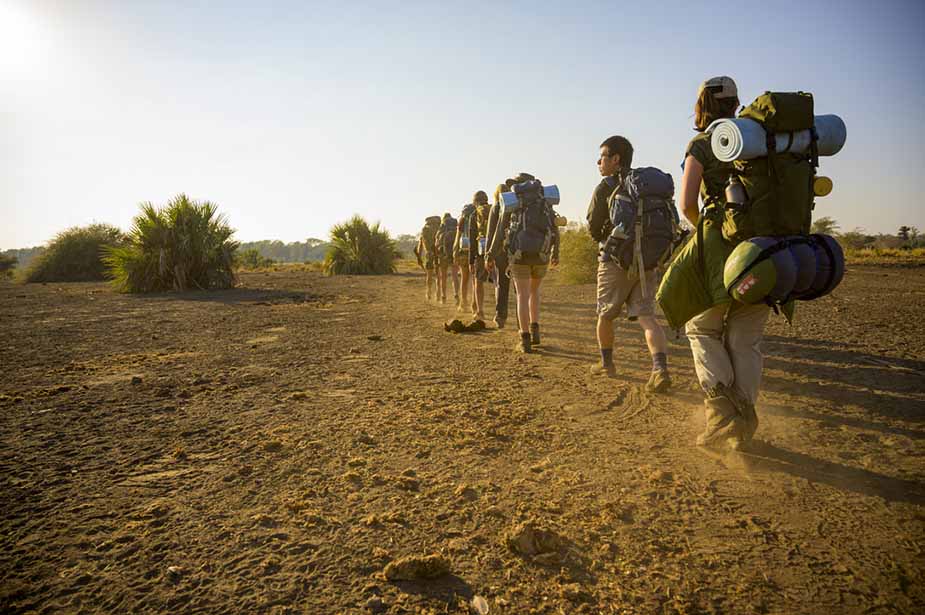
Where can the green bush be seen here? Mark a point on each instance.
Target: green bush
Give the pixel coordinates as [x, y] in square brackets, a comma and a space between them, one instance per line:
[181, 246]
[75, 255]
[252, 259]
[357, 248]
[7, 264]
[577, 256]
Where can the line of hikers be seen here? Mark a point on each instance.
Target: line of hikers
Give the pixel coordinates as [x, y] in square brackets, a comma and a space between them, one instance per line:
[721, 281]
[516, 238]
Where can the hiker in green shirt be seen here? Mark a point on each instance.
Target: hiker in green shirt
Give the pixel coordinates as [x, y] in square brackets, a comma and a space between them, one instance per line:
[726, 337]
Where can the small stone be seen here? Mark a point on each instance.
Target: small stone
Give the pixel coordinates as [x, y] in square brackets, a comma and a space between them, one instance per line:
[136, 379]
[374, 605]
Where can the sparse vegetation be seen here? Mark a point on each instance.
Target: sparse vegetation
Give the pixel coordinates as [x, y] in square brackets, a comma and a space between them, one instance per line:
[75, 255]
[358, 248]
[184, 245]
[7, 264]
[577, 256]
[252, 259]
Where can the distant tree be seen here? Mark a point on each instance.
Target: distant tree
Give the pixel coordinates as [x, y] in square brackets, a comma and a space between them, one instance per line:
[825, 226]
[855, 239]
[252, 259]
[913, 236]
[903, 232]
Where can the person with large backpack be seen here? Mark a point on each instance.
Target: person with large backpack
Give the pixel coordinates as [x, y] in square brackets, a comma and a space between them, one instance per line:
[497, 266]
[726, 337]
[426, 252]
[528, 234]
[446, 236]
[478, 243]
[632, 217]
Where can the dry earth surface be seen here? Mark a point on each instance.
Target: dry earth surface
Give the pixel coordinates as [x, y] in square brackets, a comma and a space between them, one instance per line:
[280, 447]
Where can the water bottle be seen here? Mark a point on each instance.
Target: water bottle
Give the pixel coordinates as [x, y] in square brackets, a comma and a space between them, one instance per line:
[735, 191]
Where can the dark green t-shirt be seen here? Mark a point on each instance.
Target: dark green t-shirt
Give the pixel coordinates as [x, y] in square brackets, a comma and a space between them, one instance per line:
[715, 173]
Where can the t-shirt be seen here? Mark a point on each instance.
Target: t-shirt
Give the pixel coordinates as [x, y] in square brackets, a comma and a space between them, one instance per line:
[715, 173]
[599, 208]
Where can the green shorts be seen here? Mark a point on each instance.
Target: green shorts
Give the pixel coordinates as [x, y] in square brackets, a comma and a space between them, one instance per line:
[535, 272]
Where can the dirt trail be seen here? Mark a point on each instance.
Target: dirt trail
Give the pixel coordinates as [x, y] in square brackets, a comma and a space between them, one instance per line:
[273, 448]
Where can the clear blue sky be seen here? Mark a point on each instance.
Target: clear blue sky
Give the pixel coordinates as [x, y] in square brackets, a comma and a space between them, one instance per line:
[291, 116]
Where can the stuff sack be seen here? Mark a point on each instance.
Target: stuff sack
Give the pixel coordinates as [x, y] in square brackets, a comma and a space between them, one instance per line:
[776, 270]
[465, 219]
[529, 235]
[643, 218]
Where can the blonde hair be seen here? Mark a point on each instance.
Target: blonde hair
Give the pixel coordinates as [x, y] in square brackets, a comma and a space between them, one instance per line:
[708, 109]
[501, 188]
[479, 197]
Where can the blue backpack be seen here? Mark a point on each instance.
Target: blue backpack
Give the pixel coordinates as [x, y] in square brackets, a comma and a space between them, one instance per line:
[644, 219]
[529, 236]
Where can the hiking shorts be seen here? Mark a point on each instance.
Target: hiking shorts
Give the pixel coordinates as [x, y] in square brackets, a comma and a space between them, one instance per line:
[535, 272]
[615, 289]
[462, 259]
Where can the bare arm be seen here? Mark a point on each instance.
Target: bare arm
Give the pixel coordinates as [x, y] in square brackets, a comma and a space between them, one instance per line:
[690, 189]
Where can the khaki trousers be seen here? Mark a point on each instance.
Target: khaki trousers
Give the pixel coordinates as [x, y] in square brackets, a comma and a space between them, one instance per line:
[726, 343]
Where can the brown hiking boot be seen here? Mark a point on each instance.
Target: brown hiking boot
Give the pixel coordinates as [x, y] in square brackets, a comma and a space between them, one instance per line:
[599, 369]
[724, 424]
[535, 333]
[659, 381]
[524, 345]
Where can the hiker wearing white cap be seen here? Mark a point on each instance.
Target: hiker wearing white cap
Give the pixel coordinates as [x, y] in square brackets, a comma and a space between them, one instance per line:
[726, 338]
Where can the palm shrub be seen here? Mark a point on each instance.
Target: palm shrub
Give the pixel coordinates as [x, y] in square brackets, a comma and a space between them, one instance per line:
[358, 248]
[184, 245]
[252, 259]
[577, 256]
[75, 255]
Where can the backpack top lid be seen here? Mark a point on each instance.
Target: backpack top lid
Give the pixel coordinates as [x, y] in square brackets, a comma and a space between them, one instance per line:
[781, 111]
[448, 223]
[648, 182]
[432, 220]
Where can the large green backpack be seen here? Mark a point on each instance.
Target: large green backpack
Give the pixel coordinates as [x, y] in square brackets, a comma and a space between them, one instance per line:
[779, 186]
[429, 234]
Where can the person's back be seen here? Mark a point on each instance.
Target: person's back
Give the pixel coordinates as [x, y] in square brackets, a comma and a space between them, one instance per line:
[426, 252]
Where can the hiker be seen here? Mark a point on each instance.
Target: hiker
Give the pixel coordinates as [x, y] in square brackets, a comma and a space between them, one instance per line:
[426, 251]
[725, 337]
[497, 267]
[445, 237]
[619, 282]
[461, 256]
[478, 242]
[527, 233]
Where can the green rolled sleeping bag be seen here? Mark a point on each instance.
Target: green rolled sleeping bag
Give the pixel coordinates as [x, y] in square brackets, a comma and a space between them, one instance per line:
[774, 270]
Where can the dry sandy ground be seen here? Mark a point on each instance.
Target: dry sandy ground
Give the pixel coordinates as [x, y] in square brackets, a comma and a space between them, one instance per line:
[273, 448]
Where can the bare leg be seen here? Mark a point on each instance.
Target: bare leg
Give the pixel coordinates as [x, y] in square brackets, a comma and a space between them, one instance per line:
[655, 335]
[522, 286]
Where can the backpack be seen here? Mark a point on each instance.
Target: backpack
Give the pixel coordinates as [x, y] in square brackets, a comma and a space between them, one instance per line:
[429, 233]
[529, 234]
[644, 221]
[446, 235]
[779, 187]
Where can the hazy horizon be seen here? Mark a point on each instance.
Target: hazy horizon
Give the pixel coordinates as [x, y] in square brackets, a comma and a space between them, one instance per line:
[293, 116]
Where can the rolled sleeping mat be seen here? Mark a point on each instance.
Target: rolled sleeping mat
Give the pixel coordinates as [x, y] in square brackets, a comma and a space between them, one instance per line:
[830, 267]
[759, 270]
[744, 139]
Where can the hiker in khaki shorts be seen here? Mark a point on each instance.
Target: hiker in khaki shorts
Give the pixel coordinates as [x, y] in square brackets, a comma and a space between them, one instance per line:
[616, 287]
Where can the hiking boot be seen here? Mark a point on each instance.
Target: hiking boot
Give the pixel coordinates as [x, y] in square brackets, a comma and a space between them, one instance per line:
[599, 369]
[443, 300]
[499, 322]
[535, 333]
[724, 423]
[659, 381]
[525, 345]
